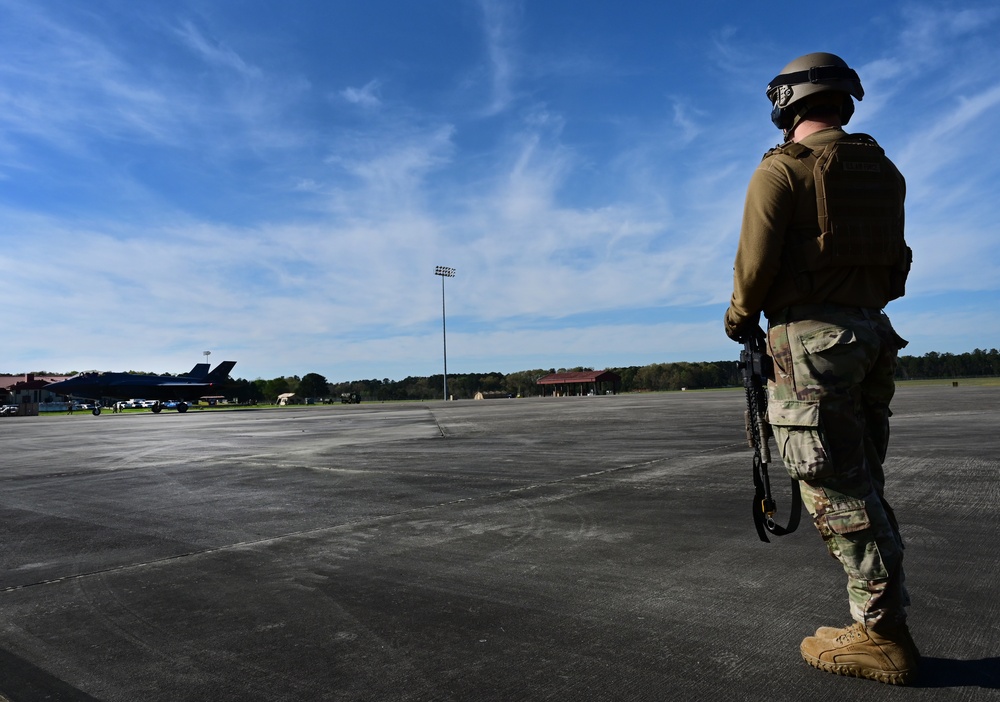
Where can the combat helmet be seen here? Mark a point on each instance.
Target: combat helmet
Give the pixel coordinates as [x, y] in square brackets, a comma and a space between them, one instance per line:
[808, 76]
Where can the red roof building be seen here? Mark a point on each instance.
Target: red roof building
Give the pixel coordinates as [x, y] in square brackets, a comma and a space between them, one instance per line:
[580, 383]
[16, 389]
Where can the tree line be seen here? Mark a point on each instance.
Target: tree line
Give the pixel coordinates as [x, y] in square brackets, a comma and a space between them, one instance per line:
[649, 378]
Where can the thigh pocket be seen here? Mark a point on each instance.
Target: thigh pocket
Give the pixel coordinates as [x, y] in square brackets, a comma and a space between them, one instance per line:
[827, 338]
[845, 518]
[846, 528]
[800, 442]
[837, 356]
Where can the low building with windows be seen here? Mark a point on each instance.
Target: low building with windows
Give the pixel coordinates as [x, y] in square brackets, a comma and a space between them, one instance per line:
[28, 392]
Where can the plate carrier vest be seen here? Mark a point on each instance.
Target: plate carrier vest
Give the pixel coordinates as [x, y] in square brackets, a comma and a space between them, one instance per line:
[859, 203]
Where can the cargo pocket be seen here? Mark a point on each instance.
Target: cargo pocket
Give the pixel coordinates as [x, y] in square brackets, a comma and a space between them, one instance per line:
[847, 518]
[796, 431]
[898, 342]
[847, 530]
[837, 357]
[826, 339]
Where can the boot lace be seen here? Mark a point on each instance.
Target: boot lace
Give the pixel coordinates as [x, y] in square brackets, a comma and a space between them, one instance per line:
[855, 632]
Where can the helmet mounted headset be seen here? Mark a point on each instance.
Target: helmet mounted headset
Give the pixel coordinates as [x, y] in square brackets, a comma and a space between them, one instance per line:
[808, 76]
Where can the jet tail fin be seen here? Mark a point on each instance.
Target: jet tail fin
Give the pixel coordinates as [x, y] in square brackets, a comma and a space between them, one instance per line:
[221, 372]
[199, 371]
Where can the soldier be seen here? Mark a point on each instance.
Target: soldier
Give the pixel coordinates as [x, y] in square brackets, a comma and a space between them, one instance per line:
[821, 252]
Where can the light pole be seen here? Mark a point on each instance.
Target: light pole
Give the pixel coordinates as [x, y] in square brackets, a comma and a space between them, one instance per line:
[206, 354]
[444, 272]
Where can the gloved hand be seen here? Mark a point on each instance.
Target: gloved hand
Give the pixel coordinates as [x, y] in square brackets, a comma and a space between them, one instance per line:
[743, 329]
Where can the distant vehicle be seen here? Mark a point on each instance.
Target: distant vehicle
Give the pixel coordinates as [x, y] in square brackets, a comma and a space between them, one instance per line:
[8, 410]
[158, 388]
[350, 398]
[134, 403]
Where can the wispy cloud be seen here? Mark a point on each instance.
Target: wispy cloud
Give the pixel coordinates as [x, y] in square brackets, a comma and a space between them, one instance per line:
[68, 88]
[499, 30]
[366, 96]
[215, 53]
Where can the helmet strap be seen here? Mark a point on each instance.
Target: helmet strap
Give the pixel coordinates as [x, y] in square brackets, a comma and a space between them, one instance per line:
[797, 112]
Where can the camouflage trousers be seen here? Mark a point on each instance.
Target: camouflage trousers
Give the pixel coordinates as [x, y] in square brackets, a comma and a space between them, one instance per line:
[828, 405]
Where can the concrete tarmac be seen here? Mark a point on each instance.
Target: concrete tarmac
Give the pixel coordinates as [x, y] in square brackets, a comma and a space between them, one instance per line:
[593, 548]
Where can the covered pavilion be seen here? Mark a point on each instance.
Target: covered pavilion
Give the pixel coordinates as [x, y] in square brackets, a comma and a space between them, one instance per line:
[580, 383]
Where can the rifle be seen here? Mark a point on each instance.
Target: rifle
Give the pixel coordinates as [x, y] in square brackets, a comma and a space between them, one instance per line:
[756, 366]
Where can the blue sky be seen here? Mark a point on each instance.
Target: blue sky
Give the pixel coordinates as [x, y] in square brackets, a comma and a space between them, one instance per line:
[276, 182]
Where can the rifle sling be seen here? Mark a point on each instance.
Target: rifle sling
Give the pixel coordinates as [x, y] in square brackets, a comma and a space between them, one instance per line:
[756, 367]
[761, 520]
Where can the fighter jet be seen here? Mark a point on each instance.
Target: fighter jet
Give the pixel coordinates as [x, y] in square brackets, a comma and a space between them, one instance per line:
[122, 386]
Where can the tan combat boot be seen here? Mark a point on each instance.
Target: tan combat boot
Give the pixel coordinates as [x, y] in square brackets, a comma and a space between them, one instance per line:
[831, 632]
[888, 657]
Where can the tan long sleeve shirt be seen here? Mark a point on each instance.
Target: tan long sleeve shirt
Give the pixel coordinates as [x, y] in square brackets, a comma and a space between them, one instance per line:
[781, 200]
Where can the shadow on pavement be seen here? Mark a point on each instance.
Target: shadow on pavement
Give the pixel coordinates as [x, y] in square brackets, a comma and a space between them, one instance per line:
[24, 681]
[948, 672]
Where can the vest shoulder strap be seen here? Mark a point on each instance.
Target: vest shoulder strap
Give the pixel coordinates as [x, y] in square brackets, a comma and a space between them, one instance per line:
[789, 148]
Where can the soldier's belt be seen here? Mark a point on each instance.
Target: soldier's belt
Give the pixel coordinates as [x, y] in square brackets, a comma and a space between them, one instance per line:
[797, 313]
